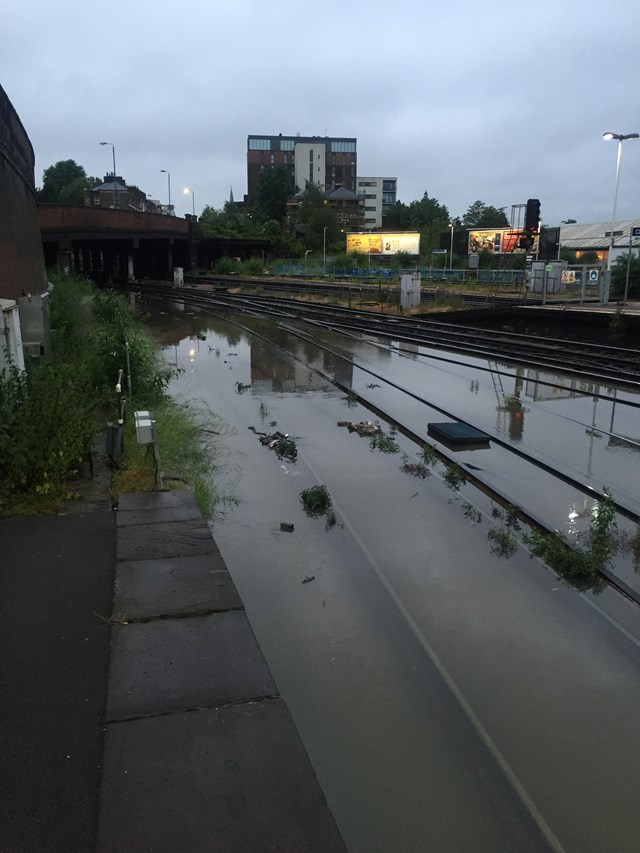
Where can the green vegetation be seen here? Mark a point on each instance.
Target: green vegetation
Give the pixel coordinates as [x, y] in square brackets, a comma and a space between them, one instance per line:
[384, 443]
[49, 415]
[65, 183]
[619, 276]
[316, 500]
[574, 562]
[454, 477]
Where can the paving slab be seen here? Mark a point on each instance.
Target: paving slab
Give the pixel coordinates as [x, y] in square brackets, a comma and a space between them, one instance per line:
[155, 500]
[158, 515]
[163, 541]
[177, 664]
[146, 589]
[229, 780]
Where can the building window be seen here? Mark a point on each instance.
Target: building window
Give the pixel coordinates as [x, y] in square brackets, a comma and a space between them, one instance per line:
[370, 207]
[259, 144]
[96, 199]
[389, 186]
[388, 198]
[287, 144]
[344, 146]
[273, 159]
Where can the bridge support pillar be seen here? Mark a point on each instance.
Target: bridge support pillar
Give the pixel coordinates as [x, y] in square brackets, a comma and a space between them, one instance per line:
[130, 272]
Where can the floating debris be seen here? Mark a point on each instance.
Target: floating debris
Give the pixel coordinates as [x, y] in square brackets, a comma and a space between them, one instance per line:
[286, 527]
[281, 443]
[366, 428]
[308, 579]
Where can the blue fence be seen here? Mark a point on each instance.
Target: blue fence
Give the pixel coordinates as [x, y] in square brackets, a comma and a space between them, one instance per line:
[380, 274]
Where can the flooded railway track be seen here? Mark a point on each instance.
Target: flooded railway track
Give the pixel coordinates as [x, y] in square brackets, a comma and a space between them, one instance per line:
[592, 361]
[290, 312]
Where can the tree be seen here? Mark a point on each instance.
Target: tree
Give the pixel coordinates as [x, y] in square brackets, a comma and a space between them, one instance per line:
[481, 215]
[275, 188]
[65, 183]
[619, 276]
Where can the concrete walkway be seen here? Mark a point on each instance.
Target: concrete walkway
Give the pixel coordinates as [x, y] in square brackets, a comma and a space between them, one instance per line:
[196, 750]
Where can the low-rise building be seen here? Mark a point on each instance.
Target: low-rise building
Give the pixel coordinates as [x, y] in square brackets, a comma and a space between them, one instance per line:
[116, 194]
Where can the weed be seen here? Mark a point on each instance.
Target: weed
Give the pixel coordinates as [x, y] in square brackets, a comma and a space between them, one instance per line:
[383, 443]
[428, 455]
[316, 500]
[471, 513]
[286, 449]
[241, 387]
[454, 477]
[504, 541]
[572, 562]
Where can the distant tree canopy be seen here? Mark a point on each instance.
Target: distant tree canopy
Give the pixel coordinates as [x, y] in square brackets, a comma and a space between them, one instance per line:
[275, 187]
[481, 215]
[65, 183]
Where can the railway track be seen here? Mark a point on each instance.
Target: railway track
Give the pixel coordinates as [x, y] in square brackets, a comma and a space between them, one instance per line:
[285, 309]
[587, 361]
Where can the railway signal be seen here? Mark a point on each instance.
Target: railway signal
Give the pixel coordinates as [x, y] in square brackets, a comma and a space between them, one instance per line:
[532, 216]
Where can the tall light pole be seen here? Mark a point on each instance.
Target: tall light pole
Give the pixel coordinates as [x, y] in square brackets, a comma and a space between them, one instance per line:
[324, 250]
[115, 183]
[621, 138]
[451, 253]
[168, 174]
[186, 191]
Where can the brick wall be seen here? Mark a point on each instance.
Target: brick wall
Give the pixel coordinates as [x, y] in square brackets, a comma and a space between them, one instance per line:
[21, 257]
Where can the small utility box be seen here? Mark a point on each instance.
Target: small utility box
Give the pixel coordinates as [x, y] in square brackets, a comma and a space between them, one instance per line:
[145, 428]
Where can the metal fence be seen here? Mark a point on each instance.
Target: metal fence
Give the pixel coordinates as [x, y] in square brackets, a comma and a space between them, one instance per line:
[382, 274]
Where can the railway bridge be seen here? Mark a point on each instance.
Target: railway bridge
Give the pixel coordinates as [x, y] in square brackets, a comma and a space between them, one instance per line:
[128, 245]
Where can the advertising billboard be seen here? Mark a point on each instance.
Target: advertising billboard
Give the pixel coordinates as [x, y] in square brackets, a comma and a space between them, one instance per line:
[385, 243]
[498, 241]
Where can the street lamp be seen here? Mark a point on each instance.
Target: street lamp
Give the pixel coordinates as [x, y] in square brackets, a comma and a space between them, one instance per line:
[186, 191]
[620, 137]
[324, 250]
[169, 185]
[451, 254]
[115, 183]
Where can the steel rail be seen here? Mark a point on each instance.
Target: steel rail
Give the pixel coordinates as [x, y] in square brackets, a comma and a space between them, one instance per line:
[492, 492]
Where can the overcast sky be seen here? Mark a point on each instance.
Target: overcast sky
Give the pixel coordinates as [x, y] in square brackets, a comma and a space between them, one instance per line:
[499, 101]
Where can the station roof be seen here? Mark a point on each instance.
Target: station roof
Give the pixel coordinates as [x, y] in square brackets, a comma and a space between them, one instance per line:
[596, 235]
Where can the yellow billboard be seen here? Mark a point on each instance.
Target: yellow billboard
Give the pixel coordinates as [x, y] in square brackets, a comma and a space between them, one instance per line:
[498, 241]
[385, 243]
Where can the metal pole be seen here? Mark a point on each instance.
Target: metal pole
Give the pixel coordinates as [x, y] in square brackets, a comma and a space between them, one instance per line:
[451, 255]
[168, 174]
[324, 250]
[626, 278]
[615, 200]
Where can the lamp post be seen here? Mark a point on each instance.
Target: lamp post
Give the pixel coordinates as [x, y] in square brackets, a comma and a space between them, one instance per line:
[168, 174]
[115, 183]
[451, 253]
[187, 191]
[620, 137]
[324, 250]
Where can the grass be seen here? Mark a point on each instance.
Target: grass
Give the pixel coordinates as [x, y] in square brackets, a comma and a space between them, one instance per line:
[188, 452]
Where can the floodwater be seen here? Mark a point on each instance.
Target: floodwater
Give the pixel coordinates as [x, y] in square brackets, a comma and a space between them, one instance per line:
[449, 700]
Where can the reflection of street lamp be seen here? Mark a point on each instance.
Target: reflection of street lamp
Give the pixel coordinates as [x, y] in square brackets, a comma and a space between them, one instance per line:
[115, 183]
[620, 137]
[187, 191]
[168, 184]
[324, 250]
[451, 257]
